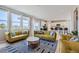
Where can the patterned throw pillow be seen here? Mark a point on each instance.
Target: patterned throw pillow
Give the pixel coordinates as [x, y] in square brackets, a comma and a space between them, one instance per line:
[75, 39]
[18, 33]
[13, 34]
[52, 33]
[9, 35]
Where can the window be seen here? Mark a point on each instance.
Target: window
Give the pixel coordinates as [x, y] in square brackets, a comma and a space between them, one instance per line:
[36, 25]
[3, 19]
[26, 23]
[15, 22]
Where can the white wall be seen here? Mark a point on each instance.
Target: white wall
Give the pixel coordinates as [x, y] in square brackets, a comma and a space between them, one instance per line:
[42, 23]
[70, 21]
[2, 35]
[63, 24]
[70, 25]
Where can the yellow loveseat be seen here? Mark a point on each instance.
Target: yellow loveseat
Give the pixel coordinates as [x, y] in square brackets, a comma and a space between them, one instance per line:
[69, 46]
[66, 37]
[46, 36]
[17, 37]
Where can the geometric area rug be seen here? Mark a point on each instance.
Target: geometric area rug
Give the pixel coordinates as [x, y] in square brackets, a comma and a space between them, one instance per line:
[22, 47]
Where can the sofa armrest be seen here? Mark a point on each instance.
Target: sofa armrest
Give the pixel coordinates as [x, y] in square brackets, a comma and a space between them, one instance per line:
[7, 36]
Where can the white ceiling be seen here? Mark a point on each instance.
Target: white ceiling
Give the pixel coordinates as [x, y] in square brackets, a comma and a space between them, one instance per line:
[46, 12]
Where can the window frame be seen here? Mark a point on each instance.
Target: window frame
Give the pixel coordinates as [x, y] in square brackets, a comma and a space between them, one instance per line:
[23, 18]
[6, 11]
[36, 21]
[19, 29]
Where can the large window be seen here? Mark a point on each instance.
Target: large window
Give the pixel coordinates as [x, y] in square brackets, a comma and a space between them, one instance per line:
[11, 21]
[16, 22]
[36, 25]
[3, 19]
[26, 23]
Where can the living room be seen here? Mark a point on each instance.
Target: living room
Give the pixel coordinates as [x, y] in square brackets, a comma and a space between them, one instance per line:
[36, 29]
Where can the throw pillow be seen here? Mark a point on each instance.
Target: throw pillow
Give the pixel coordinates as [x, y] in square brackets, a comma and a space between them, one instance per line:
[52, 33]
[17, 33]
[9, 35]
[13, 34]
[75, 39]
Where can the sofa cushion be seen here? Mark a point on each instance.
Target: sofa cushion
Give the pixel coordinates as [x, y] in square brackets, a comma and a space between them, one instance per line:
[18, 33]
[66, 37]
[70, 46]
[47, 37]
[46, 33]
[13, 38]
[75, 39]
[13, 34]
[18, 36]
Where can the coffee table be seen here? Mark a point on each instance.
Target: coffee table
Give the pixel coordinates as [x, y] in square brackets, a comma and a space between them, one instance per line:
[33, 42]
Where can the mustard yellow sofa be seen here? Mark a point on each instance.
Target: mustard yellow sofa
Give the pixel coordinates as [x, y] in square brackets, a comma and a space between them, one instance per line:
[46, 36]
[66, 37]
[69, 46]
[17, 37]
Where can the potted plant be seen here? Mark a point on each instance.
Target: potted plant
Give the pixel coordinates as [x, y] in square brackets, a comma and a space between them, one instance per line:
[2, 26]
[75, 33]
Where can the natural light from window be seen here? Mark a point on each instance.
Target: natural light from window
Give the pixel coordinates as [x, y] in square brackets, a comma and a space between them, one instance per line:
[3, 19]
[16, 21]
